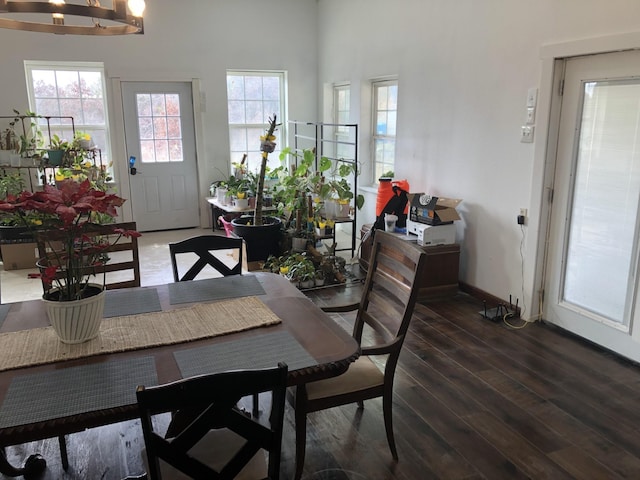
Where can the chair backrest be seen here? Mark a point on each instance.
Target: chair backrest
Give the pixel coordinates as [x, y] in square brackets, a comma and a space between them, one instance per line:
[390, 292]
[214, 397]
[202, 246]
[123, 256]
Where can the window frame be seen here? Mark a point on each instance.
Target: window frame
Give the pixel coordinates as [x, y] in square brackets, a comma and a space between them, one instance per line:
[255, 154]
[105, 150]
[380, 167]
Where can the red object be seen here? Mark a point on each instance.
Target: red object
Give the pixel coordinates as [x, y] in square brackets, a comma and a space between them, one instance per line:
[386, 193]
[226, 223]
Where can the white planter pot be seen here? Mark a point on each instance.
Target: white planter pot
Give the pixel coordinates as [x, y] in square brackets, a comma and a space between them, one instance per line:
[76, 321]
[241, 202]
[298, 244]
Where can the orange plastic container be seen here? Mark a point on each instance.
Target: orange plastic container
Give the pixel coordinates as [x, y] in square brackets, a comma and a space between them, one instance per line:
[385, 193]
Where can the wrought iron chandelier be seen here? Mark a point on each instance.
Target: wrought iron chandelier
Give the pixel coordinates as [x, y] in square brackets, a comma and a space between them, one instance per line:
[124, 17]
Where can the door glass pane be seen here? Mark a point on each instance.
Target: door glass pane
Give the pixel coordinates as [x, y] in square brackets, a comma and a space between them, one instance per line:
[159, 126]
[601, 256]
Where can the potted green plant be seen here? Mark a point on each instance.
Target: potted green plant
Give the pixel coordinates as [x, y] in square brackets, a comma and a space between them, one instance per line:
[57, 151]
[261, 234]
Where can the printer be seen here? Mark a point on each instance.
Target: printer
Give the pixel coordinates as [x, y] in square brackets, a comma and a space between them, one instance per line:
[431, 235]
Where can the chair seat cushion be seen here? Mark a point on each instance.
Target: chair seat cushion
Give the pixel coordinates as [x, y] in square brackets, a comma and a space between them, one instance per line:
[362, 374]
[215, 450]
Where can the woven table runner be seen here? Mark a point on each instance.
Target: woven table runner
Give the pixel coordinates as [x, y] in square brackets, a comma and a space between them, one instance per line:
[41, 345]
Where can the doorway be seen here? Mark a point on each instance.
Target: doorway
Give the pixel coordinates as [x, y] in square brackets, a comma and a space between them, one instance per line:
[592, 260]
[160, 142]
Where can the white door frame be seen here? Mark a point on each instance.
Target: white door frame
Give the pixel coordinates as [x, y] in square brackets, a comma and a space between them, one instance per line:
[544, 157]
[118, 143]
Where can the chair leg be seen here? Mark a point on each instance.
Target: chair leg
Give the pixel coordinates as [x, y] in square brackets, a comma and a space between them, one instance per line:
[256, 405]
[387, 401]
[301, 441]
[62, 441]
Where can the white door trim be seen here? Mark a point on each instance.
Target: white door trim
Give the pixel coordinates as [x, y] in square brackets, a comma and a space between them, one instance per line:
[120, 164]
[544, 156]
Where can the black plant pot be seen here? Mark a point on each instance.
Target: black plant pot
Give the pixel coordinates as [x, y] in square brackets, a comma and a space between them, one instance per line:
[263, 240]
[14, 233]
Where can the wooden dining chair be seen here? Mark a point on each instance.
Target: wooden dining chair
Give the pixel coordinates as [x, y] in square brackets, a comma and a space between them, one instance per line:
[124, 265]
[203, 246]
[220, 440]
[123, 268]
[386, 307]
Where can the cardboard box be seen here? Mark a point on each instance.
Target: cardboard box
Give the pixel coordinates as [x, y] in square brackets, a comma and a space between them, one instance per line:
[432, 210]
[431, 235]
[16, 256]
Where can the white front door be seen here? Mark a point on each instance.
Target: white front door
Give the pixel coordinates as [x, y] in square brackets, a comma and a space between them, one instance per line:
[160, 140]
[591, 285]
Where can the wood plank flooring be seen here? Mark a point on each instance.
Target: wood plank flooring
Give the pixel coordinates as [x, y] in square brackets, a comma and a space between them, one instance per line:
[473, 399]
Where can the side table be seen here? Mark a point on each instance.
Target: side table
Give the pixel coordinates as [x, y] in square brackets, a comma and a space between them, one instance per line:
[440, 277]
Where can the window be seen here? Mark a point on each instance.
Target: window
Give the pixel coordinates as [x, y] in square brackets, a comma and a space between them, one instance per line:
[253, 97]
[160, 127]
[341, 115]
[385, 106]
[76, 90]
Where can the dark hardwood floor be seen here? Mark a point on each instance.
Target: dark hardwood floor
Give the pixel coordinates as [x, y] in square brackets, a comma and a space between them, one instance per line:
[473, 399]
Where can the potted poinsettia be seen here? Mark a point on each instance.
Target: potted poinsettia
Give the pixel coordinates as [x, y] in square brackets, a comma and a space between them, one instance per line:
[66, 215]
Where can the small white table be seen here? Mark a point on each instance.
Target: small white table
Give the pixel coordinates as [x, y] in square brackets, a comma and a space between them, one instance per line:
[218, 209]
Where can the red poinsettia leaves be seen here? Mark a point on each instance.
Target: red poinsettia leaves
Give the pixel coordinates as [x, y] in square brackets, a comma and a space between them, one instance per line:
[127, 233]
[67, 208]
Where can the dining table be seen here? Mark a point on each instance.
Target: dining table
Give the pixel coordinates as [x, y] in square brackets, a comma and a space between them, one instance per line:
[155, 335]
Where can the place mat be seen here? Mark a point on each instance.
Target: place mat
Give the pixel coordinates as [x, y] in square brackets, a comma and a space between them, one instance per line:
[4, 309]
[260, 351]
[75, 390]
[129, 301]
[209, 289]
[41, 345]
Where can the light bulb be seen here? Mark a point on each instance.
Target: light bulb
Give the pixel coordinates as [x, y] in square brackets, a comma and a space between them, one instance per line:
[58, 18]
[136, 7]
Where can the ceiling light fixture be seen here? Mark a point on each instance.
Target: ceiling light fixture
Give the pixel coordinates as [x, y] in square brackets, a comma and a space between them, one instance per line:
[124, 17]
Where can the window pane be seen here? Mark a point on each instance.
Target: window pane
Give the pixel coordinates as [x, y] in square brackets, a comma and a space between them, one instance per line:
[381, 124]
[271, 87]
[253, 88]
[93, 110]
[254, 112]
[174, 128]
[382, 98]
[157, 104]
[145, 126]
[173, 104]
[91, 84]
[72, 108]
[68, 84]
[144, 104]
[44, 83]
[147, 151]
[391, 123]
[160, 127]
[603, 227]
[235, 87]
[162, 150]
[238, 139]
[236, 112]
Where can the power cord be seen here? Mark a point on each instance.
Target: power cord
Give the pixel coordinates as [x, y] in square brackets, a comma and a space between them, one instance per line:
[524, 307]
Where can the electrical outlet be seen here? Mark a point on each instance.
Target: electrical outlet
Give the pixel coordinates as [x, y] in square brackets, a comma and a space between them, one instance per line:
[522, 216]
[523, 212]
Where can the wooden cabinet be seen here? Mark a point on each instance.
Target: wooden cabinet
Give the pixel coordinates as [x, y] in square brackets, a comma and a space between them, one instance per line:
[440, 277]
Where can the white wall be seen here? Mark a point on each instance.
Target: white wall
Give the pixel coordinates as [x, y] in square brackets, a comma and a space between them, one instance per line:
[464, 68]
[184, 40]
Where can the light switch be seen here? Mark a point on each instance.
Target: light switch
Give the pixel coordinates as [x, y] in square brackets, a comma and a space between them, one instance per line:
[532, 97]
[531, 116]
[526, 134]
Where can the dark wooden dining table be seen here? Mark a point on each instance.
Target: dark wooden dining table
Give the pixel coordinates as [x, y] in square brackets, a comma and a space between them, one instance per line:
[329, 347]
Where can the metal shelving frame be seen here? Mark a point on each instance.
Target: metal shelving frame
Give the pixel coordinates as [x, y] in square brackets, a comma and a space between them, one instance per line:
[316, 139]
